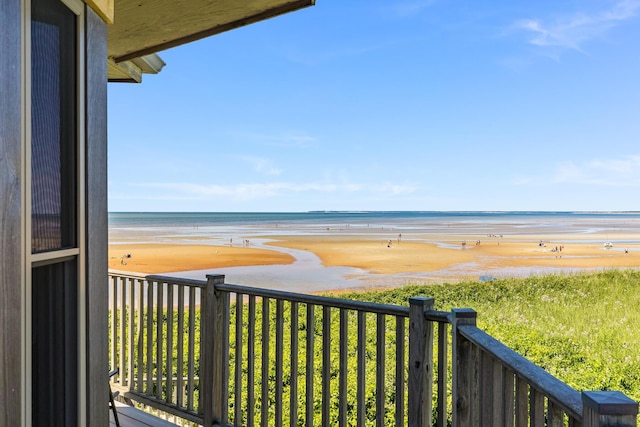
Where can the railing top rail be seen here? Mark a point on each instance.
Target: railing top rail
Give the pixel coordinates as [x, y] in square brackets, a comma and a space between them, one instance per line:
[394, 310]
[372, 307]
[390, 309]
[159, 278]
[560, 393]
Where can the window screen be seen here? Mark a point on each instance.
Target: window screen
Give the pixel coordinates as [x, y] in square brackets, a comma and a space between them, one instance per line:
[53, 126]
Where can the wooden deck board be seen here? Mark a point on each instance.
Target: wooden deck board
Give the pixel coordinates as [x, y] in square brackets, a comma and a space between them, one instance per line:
[132, 417]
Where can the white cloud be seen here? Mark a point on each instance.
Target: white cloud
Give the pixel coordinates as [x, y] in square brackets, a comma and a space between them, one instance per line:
[285, 139]
[620, 172]
[261, 165]
[571, 32]
[624, 172]
[244, 192]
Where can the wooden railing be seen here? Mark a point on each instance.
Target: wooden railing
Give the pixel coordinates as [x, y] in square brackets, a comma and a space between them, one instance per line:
[155, 341]
[221, 354]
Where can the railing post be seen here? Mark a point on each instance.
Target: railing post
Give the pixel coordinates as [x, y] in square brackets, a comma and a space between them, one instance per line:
[464, 371]
[420, 362]
[608, 409]
[214, 331]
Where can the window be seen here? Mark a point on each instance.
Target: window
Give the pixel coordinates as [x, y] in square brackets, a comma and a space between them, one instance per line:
[55, 202]
[53, 126]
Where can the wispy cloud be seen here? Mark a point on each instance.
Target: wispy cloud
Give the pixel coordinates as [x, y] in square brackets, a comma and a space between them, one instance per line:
[346, 49]
[285, 139]
[261, 165]
[191, 191]
[620, 172]
[623, 172]
[572, 31]
[410, 8]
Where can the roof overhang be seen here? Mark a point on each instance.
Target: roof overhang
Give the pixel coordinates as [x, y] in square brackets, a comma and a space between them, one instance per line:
[143, 27]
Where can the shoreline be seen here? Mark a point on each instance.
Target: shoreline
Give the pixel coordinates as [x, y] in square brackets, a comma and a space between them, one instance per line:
[377, 260]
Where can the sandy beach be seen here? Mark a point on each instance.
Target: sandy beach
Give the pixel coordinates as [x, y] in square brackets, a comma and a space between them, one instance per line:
[163, 258]
[386, 253]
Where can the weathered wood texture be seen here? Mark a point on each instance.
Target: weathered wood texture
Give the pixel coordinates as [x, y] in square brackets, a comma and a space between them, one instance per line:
[208, 347]
[328, 352]
[443, 369]
[96, 217]
[218, 327]
[492, 385]
[11, 332]
[104, 8]
[149, 26]
[420, 362]
[464, 372]
[150, 305]
[608, 409]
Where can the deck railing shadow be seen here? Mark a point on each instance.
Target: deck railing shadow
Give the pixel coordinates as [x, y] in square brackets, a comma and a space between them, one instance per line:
[214, 353]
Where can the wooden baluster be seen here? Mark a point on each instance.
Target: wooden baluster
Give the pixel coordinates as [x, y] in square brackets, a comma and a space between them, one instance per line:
[342, 392]
[400, 369]
[279, 361]
[310, 403]
[264, 403]
[293, 402]
[237, 406]
[251, 361]
[326, 364]
[362, 365]
[380, 371]
[442, 374]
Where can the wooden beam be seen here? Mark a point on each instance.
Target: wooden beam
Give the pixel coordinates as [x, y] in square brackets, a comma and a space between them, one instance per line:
[104, 8]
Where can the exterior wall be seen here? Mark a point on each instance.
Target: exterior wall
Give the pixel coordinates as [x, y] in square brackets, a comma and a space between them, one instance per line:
[11, 244]
[96, 221]
[12, 259]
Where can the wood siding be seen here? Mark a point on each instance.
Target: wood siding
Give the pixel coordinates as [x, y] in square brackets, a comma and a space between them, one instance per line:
[96, 220]
[10, 214]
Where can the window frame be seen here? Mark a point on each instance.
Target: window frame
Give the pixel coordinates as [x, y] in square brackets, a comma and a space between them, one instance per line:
[78, 252]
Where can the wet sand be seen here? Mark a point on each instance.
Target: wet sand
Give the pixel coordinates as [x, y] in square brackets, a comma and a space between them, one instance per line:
[164, 258]
[386, 253]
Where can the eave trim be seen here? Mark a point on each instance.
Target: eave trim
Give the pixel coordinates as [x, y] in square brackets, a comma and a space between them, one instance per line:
[289, 7]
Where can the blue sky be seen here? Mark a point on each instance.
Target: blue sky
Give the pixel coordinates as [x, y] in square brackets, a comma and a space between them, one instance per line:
[390, 105]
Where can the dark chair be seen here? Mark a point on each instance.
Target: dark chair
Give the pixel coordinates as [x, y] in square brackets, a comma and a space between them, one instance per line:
[112, 396]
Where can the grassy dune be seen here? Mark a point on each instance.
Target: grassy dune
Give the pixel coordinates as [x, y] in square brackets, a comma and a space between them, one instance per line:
[582, 328]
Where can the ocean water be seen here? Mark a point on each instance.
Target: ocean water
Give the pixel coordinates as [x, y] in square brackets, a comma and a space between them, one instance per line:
[339, 217]
[225, 226]
[308, 274]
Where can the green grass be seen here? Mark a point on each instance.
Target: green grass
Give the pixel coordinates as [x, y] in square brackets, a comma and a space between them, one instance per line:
[582, 328]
